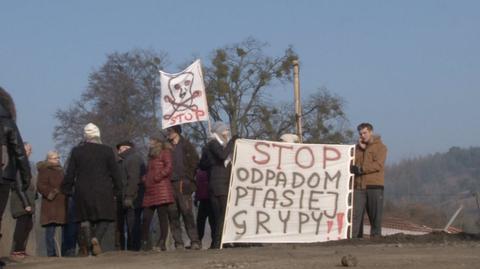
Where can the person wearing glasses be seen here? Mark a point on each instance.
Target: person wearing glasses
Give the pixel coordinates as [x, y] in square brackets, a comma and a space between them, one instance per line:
[54, 202]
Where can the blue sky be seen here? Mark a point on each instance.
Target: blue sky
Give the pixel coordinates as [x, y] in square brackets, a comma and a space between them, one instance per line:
[412, 68]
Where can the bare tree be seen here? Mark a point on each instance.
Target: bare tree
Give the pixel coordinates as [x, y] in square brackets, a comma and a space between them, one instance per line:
[324, 119]
[238, 79]
[122, 98]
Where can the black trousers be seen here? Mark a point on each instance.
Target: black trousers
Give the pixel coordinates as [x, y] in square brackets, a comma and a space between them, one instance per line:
[371, 201]
[132, 218]
[185, 207]
[22, 229]
[4, 194]
[205, 211]
[96, 229]
[219, 205]
[166, 213]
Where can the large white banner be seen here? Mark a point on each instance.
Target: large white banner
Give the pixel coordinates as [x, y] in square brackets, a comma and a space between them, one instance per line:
[183, 96]
[283, 192]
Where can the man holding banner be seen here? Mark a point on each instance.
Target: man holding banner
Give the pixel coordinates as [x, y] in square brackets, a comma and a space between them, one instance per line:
[369, 170]
[185, 161]
[219, 152]
[183, 101]
[183, 96]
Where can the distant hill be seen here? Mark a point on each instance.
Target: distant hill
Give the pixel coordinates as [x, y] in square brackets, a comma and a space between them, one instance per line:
[431, 188]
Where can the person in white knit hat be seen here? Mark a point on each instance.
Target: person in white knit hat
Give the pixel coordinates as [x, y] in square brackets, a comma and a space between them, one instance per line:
[94, 179]
[91, 133]
[219, 150]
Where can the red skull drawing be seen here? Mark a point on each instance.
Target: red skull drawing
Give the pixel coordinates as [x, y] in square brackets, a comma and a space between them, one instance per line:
[181, 97]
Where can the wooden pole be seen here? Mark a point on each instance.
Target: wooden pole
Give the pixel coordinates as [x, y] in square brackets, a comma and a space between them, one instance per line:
[452, 219]
[298, 105]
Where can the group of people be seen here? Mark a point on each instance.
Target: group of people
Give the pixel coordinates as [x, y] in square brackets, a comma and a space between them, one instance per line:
[18, 184]
[101, 186]
[108, 186]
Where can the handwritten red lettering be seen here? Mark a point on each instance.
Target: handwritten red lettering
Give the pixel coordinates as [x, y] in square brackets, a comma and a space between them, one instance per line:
[334, 157]
[265, 153]
[312, 157]
[280, 148]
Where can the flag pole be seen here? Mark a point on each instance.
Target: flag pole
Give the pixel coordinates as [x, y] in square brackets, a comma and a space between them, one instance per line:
[298, 105]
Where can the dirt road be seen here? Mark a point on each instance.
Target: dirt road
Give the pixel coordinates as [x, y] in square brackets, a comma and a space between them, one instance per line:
[434, 252]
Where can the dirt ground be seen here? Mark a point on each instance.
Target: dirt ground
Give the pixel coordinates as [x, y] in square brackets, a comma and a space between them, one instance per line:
[437, 251]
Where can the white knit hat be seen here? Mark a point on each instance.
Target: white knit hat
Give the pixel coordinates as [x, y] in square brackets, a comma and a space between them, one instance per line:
[91, 131]
[219, 127]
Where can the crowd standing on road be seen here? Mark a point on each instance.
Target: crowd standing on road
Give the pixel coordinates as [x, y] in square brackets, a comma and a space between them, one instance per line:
[102, 185]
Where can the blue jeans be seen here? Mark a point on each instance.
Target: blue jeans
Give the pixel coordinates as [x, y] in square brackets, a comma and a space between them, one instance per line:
[50, 240]
[70, 231]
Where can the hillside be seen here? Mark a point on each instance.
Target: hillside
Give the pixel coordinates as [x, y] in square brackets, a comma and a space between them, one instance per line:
[430, 189]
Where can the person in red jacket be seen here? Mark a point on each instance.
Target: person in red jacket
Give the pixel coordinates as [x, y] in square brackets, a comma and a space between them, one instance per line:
[159, 194]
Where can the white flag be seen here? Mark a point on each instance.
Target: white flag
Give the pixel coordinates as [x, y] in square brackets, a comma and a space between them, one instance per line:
[183, 96]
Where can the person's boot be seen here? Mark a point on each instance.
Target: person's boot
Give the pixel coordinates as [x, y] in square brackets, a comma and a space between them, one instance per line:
[179, 246]
[118, 240]
[215, 244]
[96, 248]
[161, 245]
[196, 245]
[83, 239]
[69, 253]
[145, 245]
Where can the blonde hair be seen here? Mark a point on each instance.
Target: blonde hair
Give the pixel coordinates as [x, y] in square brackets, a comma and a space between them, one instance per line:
[52, 153]
[157, 147]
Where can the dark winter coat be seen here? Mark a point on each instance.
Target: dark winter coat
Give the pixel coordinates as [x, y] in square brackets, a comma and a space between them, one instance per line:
[134, 169]
[19, 202]
[17, 206]
[94, 178]
[184, 168]
[13, 156]
[158, 188]
[49, 180]
[201, 179]
[218, 174]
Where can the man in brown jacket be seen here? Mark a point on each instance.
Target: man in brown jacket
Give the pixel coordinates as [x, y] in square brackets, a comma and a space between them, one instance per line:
[369, 170]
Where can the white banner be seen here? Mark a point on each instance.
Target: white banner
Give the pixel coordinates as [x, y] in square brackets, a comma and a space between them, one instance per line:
[183, 96]
[283, 193]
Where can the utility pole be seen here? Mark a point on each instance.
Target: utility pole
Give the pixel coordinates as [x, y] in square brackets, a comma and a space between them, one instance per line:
[298, 105]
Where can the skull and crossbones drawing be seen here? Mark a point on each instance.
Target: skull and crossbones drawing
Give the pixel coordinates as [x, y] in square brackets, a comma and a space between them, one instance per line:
[181, 97]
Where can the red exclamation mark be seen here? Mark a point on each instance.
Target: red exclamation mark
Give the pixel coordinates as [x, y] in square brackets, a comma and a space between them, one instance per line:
[340, 224]
[329, 228]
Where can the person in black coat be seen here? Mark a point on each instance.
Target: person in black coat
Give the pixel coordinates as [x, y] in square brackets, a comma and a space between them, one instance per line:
[13, 158]
[94, 179]
[129, 209]
[219, 150]
[22, 215]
